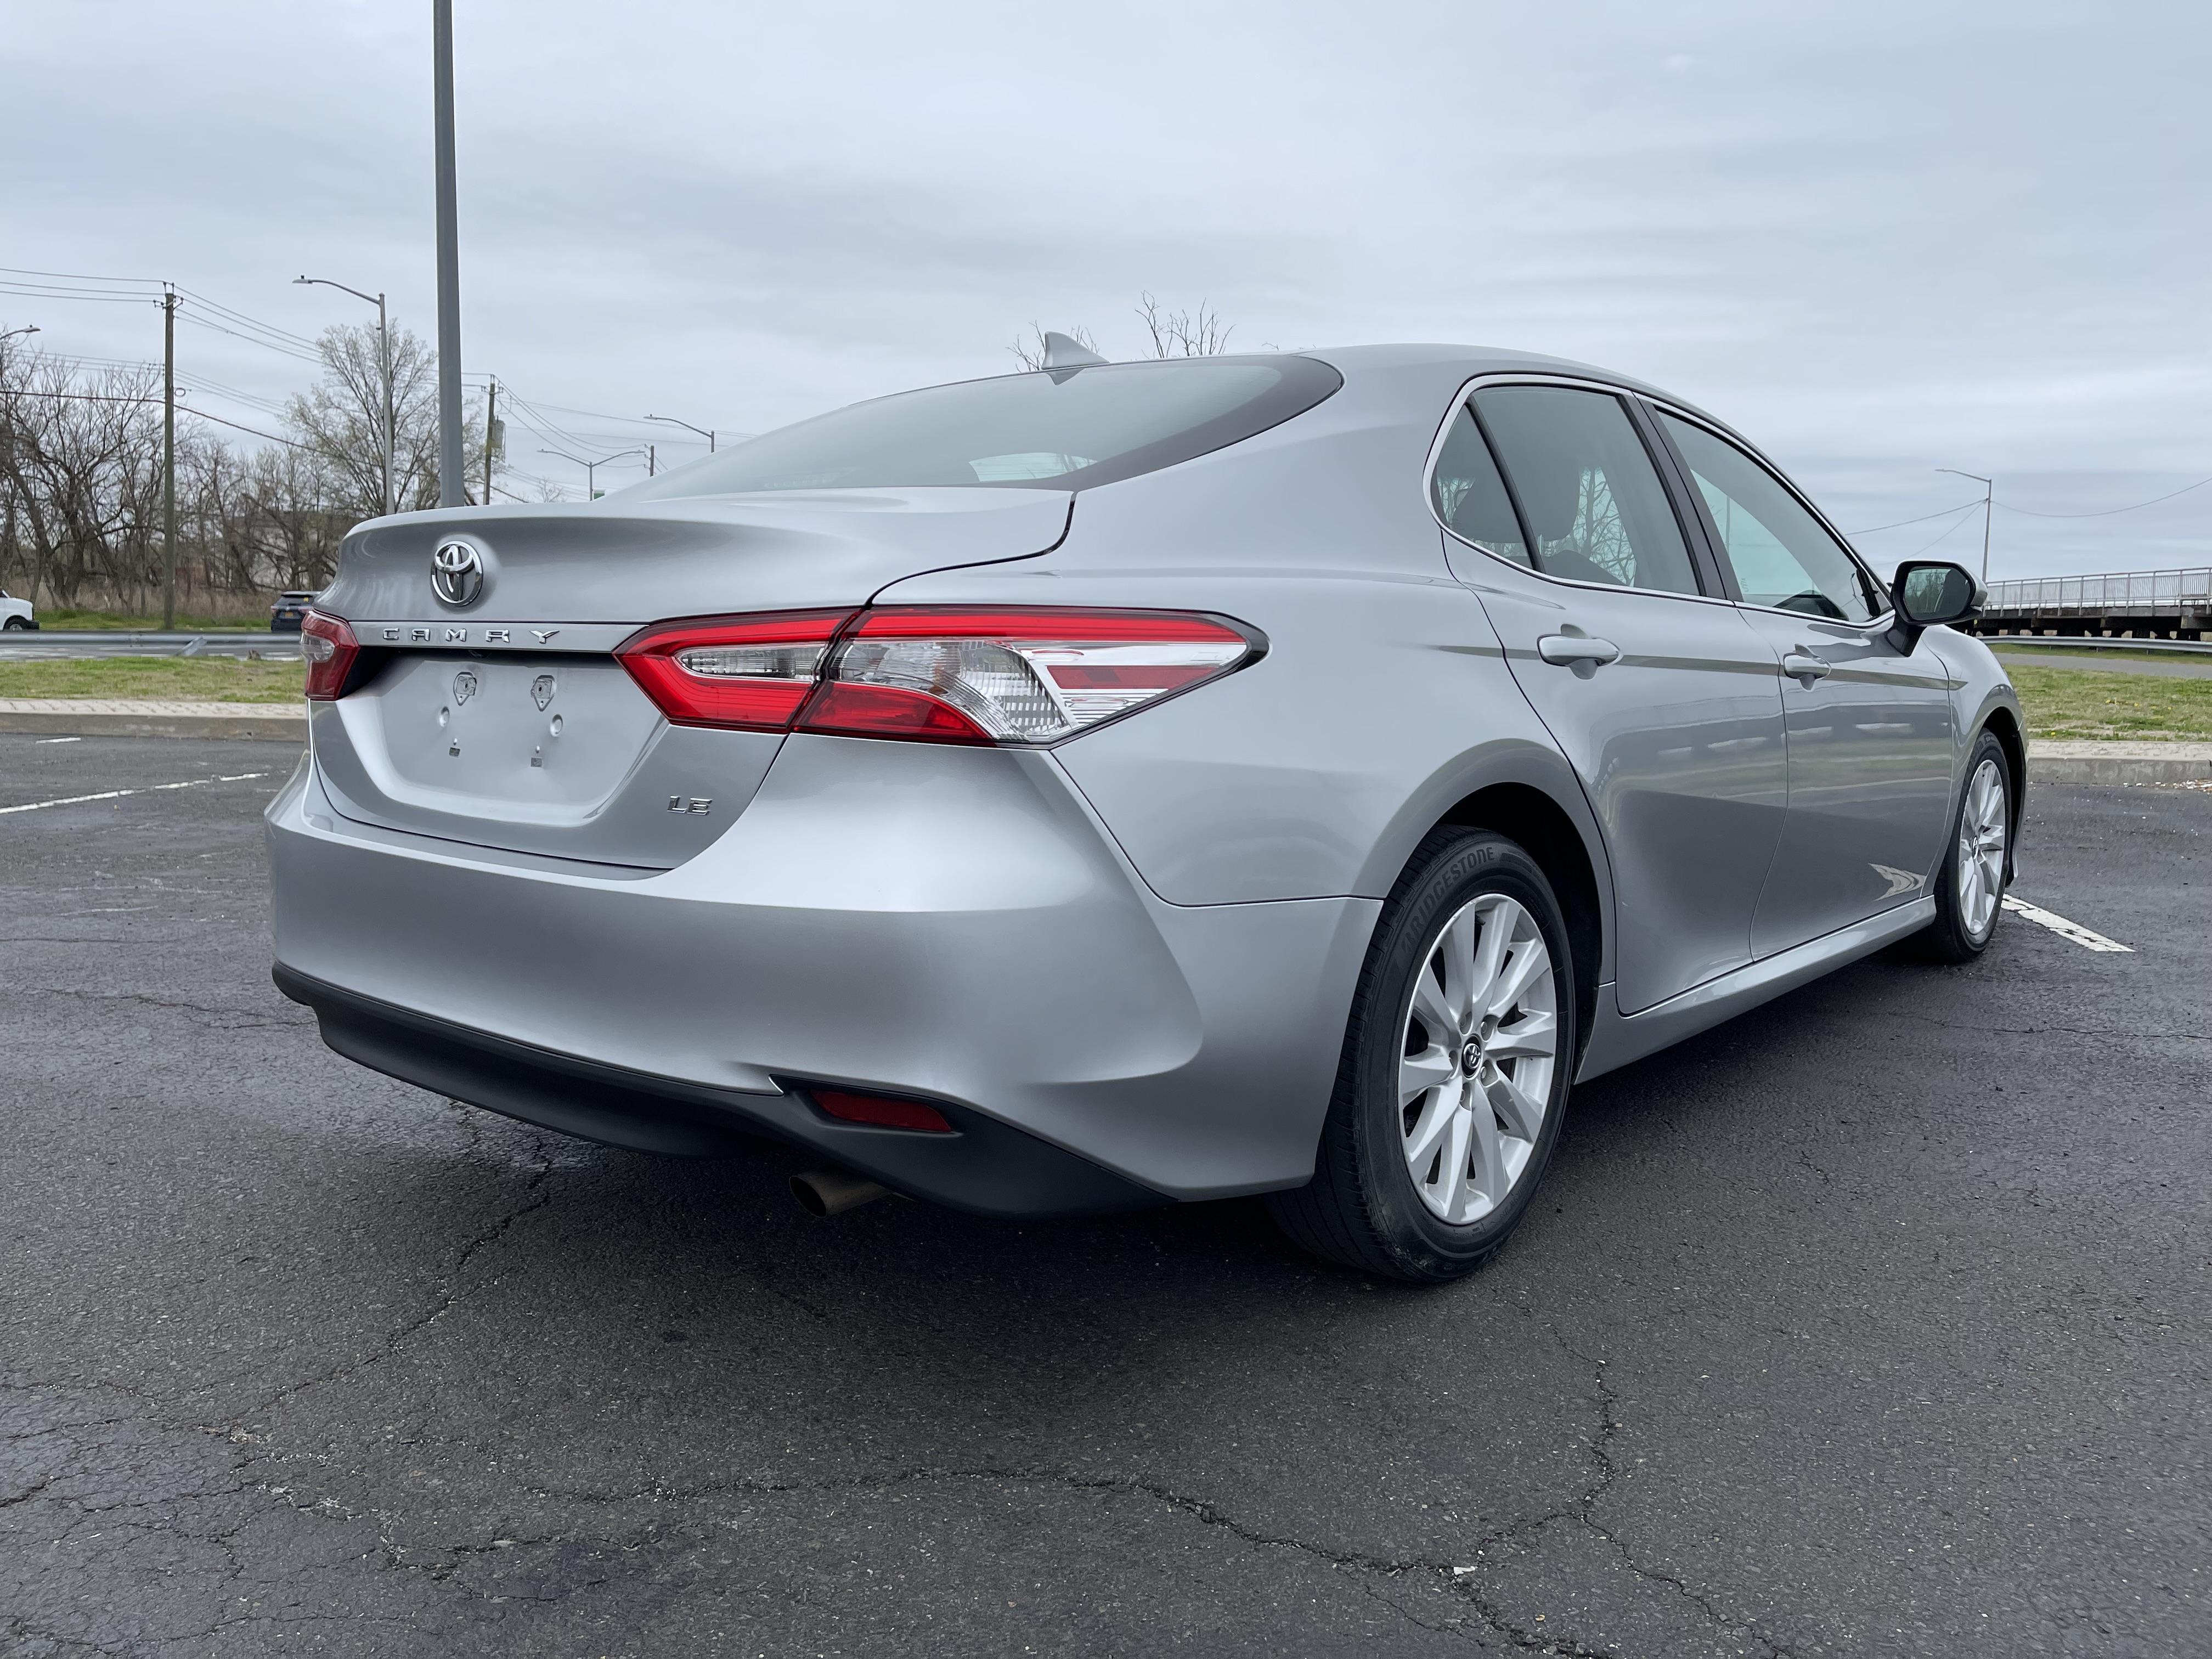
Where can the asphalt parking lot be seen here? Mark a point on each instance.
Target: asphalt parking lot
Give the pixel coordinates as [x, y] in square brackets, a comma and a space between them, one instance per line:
[1872, 1324]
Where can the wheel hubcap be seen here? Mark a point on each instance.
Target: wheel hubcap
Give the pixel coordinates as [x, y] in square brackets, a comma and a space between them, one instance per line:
[1983, 824]
[1476, 1052]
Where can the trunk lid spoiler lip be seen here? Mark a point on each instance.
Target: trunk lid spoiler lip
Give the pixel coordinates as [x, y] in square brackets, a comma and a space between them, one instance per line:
[582, 566]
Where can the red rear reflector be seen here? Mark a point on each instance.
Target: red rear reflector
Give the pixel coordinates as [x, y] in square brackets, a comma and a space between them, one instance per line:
[749, 672]
[882, 711]
[329, 646]
[882, 1110]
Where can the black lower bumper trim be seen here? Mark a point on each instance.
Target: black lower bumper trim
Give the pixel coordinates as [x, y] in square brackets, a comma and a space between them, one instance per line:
[987, 1168]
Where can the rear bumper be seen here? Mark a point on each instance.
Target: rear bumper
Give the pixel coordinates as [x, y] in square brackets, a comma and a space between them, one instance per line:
[986, 1167]
[949, 923]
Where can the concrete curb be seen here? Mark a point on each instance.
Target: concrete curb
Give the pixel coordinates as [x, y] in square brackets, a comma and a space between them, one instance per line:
[117, 718]
[2114, 764]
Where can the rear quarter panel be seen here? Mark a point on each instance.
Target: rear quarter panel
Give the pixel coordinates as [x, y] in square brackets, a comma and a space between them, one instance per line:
[1384, 698]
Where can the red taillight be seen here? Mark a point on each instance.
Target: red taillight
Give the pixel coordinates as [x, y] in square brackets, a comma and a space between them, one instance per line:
[886, 1111]
[749, 672]
[951, 674]
[330, 647]
[928, 673]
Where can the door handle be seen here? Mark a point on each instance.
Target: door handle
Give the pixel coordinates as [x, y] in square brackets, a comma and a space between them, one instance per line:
[1804, 667]
[1573, 650]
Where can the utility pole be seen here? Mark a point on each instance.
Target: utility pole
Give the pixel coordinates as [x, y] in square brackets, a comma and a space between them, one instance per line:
[1989, 502]
[453, 489]
[168, 458]
[650, 468]
[495, 434]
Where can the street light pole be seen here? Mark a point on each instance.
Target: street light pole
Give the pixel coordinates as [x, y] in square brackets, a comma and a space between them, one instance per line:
[384, 361]
[590, 467]
[688, 426]
[168, 459]
[1989, 502]
[453, 488]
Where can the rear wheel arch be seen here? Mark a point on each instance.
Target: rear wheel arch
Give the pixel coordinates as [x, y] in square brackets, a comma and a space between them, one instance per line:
[1527, 816]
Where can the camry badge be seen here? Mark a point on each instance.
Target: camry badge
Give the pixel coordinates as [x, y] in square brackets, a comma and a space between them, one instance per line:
[464, 685]
[457, 573]
[544, 634]
[541, 691]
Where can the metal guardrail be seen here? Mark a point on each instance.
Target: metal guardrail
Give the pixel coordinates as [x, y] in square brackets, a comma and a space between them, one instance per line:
[2134, 592]
[2075, 642]
[22, 644]
[180, 637]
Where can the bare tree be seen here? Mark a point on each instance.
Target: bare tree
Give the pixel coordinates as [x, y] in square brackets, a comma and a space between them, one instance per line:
[341, 419]
[1183, 333]
[1029, 347]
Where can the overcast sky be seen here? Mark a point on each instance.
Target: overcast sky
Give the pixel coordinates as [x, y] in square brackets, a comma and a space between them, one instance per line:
[1880, 239]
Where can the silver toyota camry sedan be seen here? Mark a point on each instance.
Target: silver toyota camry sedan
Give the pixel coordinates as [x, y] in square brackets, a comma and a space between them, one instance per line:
[1134, 783]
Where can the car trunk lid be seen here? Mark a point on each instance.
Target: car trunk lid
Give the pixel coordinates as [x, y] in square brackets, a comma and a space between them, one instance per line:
[506, 720]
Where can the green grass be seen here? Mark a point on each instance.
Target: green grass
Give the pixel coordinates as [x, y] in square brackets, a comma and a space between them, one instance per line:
[181, 679]
[2075, 703]
[53, 616]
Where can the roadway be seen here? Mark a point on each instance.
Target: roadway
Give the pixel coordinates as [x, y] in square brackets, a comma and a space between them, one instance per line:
[1871, 1324]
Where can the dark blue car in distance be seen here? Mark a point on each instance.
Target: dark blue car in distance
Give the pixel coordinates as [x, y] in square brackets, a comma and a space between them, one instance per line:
[284, 616]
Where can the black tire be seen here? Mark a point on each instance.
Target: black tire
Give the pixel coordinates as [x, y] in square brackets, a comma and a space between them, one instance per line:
[1361, 1209]
[14, 625]
[1950, 938]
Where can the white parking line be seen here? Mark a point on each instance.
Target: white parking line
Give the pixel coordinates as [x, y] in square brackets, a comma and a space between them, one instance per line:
[46, 740]
[117, 794]
[2065, 929]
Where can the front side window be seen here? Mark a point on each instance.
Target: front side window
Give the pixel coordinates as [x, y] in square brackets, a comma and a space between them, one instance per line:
[1470, 496]
[1592, 498]
[1780, 553]
[1066, 428]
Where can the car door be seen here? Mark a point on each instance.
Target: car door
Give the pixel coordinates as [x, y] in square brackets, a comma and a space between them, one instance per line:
[1661, 695]
[1871, 738]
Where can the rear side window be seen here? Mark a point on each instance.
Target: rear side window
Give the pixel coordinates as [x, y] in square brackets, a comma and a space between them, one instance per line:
[1780, 554]
[1065, 429]
[1471, 497]
[1587, 487]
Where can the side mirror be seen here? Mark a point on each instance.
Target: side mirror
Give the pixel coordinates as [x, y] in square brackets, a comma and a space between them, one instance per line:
[1929, 594]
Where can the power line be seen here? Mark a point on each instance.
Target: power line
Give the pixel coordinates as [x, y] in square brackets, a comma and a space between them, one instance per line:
[76, 276]
[1922, 518]
[287, 442]
[1916, 552]
[2108, 512]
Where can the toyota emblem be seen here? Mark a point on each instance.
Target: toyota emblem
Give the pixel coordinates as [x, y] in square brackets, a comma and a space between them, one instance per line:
[457, 573]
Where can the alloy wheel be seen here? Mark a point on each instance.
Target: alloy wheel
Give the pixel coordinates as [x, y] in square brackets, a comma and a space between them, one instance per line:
[1982, 829]
[1476, 1053]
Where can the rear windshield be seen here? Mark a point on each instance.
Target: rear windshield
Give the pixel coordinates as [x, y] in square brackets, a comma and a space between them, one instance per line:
[1062, 428]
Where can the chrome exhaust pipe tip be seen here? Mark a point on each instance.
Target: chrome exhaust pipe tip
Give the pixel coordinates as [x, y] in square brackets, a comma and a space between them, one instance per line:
[823, 1193]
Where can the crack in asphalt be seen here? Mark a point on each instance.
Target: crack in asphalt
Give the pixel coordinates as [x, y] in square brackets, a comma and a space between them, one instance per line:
[240, 1018]
[448, 1295]
[2047, 1030]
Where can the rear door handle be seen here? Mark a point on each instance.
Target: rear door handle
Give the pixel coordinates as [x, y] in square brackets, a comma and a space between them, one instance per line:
[1804, 667]
[1572, 650]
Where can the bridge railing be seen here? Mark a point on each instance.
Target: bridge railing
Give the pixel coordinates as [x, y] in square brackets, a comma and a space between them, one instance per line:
[2134, 592]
